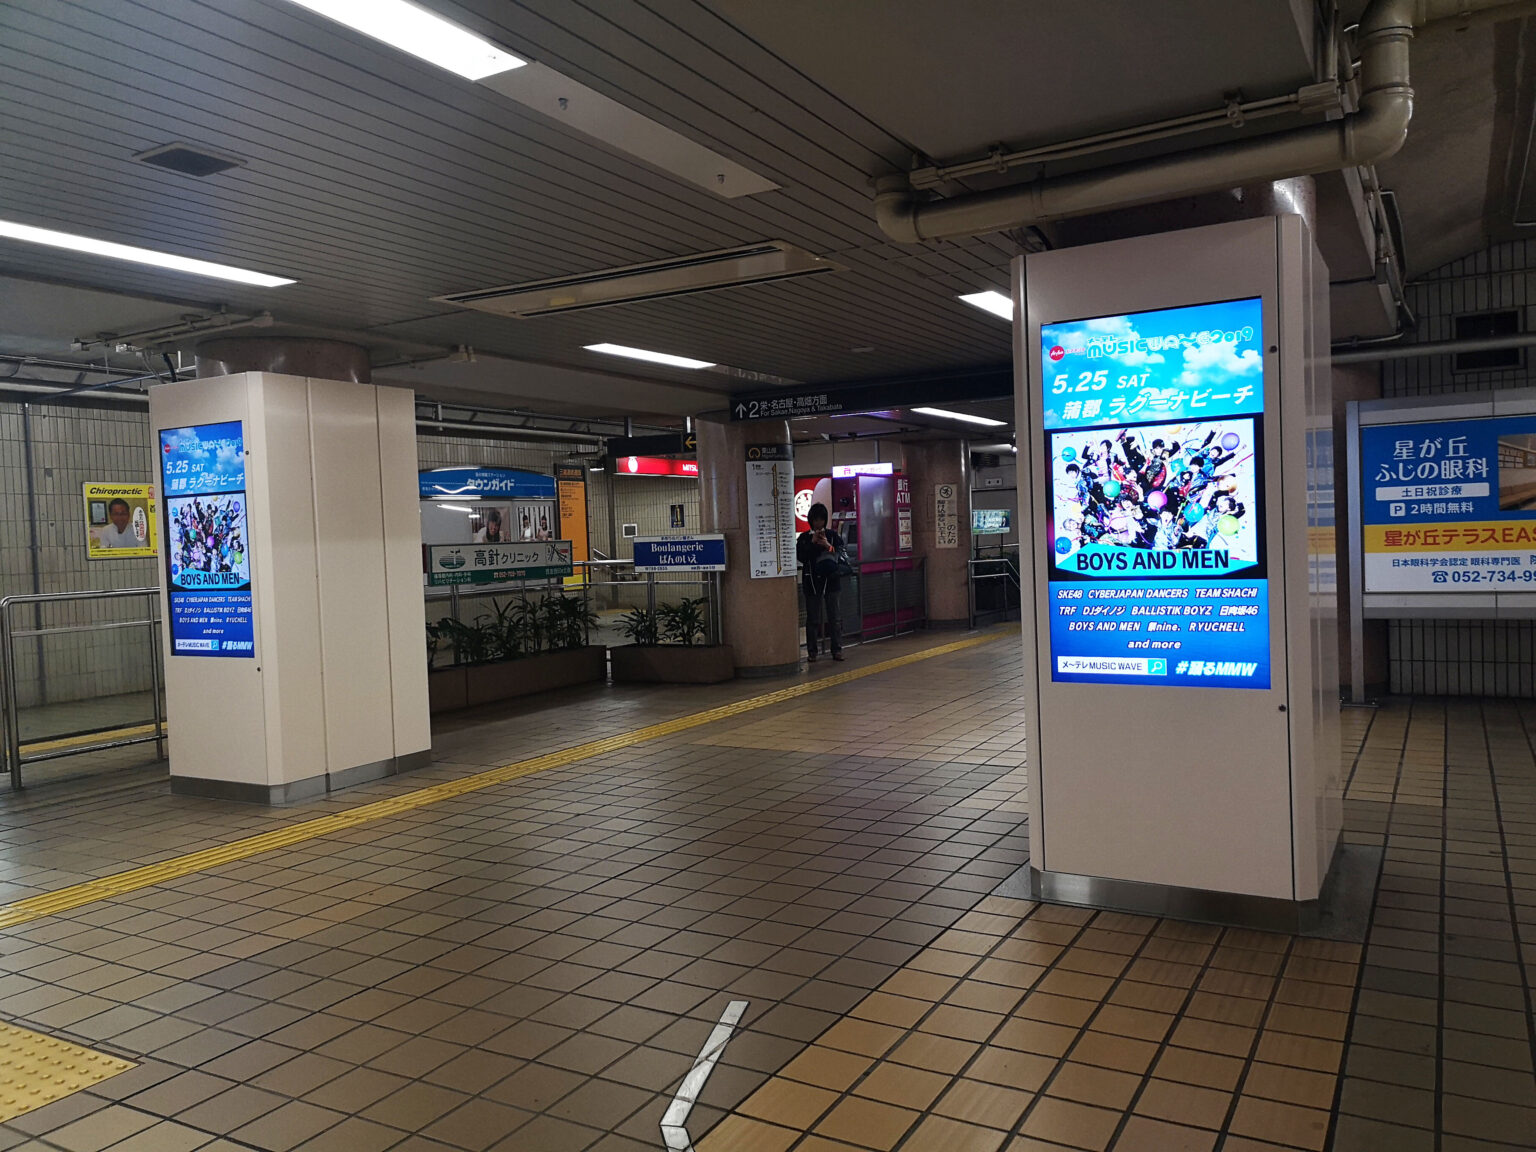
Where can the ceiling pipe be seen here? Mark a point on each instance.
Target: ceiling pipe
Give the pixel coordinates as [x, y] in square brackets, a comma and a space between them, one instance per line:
[1371, 134]
[1434, 348]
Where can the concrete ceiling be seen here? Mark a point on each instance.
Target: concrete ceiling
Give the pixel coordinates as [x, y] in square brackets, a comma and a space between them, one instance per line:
[380, 182]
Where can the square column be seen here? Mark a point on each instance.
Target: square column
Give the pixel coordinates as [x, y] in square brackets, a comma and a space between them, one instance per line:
[1180, 640]
[291, 583]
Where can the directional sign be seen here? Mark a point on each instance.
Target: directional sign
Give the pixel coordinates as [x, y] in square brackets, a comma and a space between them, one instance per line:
[988, 384]
[662, 444]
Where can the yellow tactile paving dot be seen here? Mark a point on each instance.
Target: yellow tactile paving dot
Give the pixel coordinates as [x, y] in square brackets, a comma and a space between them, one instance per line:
[133, 879]
[37, 1070]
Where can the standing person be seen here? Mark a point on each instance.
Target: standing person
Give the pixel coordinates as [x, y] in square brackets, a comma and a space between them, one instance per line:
[817, 552]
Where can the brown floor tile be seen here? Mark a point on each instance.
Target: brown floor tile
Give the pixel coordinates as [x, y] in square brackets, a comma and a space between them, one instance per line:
[956, 1136]
[1104, 1087]
[1284, 1123]
[867, 1123]
[905, 1087]
[1184, 1104]
[1143, 1135]
[1075, 1125]
[790, 1103]
[979, 1102]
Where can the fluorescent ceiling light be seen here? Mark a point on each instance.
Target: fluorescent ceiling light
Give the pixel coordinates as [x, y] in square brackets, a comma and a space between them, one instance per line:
[966, 416]
[137, 255]
[419, 32]
[654, 357]
[990, 301]
[456, 508]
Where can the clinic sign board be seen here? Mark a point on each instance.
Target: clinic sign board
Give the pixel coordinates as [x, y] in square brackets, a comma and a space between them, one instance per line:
[700, 553]
[1449, 506]
[1155, 521]
[449, 564]
[119, 521]
[207, 540]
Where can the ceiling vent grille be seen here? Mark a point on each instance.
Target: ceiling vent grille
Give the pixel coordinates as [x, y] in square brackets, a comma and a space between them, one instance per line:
[189, 161]
[657, 280]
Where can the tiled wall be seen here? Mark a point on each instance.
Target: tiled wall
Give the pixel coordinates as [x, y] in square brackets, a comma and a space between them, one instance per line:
[1451, 657]
[644, 501]
[73, 446]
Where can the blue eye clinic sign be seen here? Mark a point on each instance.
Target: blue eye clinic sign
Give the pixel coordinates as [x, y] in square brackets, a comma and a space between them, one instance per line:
[207, 540]
[1153, 437]
[702, 553]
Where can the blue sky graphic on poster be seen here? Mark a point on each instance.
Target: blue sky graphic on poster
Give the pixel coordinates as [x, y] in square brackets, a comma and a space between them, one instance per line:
[1156, 509]
[205, 458]
[1198, 362]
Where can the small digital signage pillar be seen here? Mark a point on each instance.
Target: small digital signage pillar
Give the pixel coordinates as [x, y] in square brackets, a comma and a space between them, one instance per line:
[1181, 657]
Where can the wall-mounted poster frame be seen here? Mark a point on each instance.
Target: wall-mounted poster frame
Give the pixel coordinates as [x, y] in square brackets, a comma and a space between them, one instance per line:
[1442, 511]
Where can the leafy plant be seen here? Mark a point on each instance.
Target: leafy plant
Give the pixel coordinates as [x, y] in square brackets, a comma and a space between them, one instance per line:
[566, 621]
[518, 628]
[471, 643]
[640, 625]
[685, 622]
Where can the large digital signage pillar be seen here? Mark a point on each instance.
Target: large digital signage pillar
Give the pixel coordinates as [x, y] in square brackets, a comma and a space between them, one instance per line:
[1185, 748]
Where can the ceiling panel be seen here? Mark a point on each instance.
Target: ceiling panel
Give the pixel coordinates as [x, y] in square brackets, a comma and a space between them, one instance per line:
[380, 182]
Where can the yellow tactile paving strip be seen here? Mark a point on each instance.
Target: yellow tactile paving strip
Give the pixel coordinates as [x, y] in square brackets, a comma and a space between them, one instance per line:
[89, 738]
[131, 880]
[37, 1070]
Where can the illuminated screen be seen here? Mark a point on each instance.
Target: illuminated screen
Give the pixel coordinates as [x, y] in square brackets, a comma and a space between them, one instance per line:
[990, 521]
[1156, 519]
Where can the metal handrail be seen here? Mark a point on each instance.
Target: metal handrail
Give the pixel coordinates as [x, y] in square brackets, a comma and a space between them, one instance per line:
[10, 701]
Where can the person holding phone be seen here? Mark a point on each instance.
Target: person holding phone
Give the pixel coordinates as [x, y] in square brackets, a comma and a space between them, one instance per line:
[817, 552]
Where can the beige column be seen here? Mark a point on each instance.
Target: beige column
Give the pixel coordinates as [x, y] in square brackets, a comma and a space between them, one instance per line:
[761, 616]
[930, 464]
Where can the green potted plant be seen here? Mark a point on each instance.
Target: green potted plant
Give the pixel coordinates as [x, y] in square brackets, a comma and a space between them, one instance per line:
[668, 646]
[522, 646]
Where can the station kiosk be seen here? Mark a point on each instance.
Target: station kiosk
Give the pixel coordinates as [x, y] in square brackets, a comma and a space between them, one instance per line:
[1180, 645]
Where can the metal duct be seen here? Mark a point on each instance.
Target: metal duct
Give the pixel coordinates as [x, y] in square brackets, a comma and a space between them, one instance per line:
[1434, 348]
[1373, 133]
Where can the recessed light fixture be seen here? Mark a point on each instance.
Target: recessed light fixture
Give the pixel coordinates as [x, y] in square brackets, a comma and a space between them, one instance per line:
[419, 32]
[14, 231]
[965, 416]
[654, 357]
[991, 301]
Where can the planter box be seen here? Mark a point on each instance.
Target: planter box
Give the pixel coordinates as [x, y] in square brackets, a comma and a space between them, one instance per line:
[446, 689]
[673, 664]
[509, 679]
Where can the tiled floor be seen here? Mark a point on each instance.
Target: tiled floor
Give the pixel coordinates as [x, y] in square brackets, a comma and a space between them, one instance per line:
[533, 966]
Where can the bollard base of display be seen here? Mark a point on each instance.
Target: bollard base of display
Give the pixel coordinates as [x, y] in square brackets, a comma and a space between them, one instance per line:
[1234, 909]
[295, 791]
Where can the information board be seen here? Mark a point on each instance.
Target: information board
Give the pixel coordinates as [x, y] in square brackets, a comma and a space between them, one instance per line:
[119, 521]
[771, 510]
[207, 540]
[702, 553]
[946, 516]
[1155, 518]
[1449, 505]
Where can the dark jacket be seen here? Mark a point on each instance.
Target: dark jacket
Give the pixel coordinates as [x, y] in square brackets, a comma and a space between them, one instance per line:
[807, 551]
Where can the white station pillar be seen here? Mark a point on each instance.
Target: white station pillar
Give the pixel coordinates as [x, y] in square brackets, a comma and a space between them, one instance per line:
[291, 583]
[1180, 652]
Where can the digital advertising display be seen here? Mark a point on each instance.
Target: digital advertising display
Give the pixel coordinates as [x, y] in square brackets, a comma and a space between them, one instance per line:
[1153, 434]
[207, 549]
[1449, 505]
